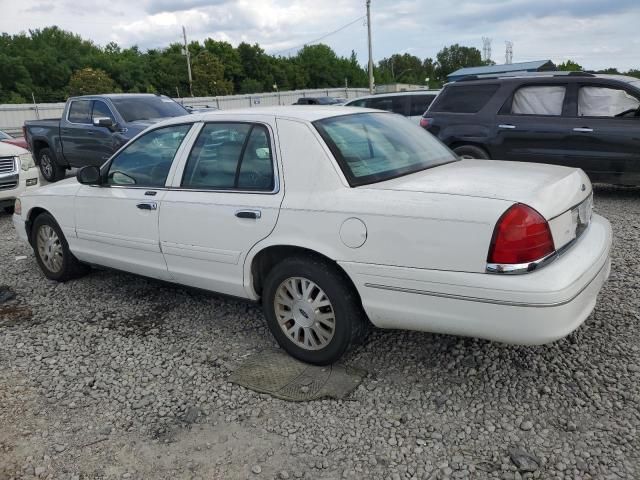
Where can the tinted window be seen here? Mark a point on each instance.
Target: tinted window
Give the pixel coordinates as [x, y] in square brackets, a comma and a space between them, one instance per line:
[372, 147]
[146, 161]
[147, 108]
[605, 102]
[464, 98]
[394, 104]
[538, 100]
[419, 104]
[80, 111]
[100, 109]
[357, 103]
[230, 156]
[4, 136]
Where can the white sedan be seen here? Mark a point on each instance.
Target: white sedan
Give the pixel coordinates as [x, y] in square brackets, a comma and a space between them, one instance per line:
[334, 220]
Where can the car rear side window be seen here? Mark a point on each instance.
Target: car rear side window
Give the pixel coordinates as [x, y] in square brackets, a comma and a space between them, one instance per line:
[230, 156]
[464, 98]
[538, 100]
[419, 104]
[80, 111]
[146, 161]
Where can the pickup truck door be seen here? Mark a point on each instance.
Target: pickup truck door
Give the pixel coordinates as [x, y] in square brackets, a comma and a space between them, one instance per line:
[102, 138]
[82, 142]
[225, 198]
[117, 222]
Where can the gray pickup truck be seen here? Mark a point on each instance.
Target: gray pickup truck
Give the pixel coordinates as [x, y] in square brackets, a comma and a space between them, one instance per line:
[92, 128]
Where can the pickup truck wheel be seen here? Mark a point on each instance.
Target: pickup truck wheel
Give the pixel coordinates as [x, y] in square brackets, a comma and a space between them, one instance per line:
[52, 250]
[471, 152]
[312, 310]
[51, 171]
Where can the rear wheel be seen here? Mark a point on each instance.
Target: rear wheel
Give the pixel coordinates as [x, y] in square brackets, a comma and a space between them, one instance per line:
[52, 251]
[471, 152]
[312, 310]
[51, 171]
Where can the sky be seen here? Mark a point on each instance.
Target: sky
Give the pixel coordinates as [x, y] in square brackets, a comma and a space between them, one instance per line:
[595, 33]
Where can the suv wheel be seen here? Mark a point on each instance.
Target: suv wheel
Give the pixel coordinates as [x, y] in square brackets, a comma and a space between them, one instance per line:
[312, 310]
[471, 152]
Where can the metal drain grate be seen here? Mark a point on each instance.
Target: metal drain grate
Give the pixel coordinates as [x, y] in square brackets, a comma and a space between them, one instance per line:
[276, 373]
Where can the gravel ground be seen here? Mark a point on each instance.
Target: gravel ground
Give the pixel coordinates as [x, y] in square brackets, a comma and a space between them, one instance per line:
[114, 376]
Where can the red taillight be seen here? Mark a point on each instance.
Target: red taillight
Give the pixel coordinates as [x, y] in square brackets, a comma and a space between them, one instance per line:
[521, 235]
[426, 122]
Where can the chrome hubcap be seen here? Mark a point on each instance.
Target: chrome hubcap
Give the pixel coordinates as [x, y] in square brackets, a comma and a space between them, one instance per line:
[49, 248]
[45, 164]
[304, 313]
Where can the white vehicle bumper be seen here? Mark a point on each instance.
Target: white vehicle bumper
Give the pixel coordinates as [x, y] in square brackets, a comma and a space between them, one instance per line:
[16, 183]
[529, 309]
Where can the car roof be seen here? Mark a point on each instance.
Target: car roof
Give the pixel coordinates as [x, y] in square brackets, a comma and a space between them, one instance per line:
[306, 113]
[551, 77]
[119, 96]
[397, 94]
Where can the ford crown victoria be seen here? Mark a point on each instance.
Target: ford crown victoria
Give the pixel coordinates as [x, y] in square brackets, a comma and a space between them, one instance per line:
[334, 220]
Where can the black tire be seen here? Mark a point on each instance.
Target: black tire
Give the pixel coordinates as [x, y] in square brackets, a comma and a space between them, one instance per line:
[70, 267]
[51, 171]
[471, 151]
[350, 322]
[8, 210]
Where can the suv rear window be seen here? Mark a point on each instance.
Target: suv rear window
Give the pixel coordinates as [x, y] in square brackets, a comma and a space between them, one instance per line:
[464, 98]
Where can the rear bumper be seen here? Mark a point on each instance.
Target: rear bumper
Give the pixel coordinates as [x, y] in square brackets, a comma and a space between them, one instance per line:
[534, 308]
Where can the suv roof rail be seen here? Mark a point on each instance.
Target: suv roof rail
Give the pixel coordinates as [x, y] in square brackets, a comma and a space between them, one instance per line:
[551, 73]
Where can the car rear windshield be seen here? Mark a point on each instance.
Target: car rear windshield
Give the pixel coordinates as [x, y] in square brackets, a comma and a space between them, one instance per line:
[373, 147]
[464, 98]
[147, 108]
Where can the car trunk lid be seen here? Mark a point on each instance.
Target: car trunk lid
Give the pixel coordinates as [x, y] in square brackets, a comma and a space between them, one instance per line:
[549, 189]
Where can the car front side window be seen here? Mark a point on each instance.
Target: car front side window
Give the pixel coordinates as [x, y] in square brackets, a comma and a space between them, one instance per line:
[146, 161]
[100, 110]
[605, 102]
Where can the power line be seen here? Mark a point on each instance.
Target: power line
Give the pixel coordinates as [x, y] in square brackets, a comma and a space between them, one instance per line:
[320, 38]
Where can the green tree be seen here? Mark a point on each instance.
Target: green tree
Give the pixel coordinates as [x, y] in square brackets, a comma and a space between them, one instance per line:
[88, 81]
[570, 66]
[456, 56]
[208, 76]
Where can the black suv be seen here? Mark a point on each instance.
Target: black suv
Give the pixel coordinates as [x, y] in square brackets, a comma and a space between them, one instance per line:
[576, 119]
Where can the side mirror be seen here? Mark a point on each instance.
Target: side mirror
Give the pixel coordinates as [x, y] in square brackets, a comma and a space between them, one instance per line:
[89, 175]
[102, 122]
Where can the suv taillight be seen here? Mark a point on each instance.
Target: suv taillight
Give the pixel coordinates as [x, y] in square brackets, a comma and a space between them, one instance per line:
[426, 122]
[521, 235]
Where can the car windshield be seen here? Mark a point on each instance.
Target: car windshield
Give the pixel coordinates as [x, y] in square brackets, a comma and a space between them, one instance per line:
[326, 101]
[374, 147]
[147, 108]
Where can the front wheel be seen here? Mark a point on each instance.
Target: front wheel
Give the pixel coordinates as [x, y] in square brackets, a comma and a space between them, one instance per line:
[52, 250]
[312, 310]
[51, 171]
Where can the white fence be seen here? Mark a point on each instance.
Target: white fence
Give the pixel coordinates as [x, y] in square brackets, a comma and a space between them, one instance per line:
[12, 117]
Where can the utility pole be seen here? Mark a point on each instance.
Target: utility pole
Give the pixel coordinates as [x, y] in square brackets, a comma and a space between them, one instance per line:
[188, 55]
[370, 51]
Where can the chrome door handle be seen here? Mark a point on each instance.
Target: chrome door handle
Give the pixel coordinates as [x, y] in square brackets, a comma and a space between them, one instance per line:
[147, 206]
[255, 214]
[583, 129]
[506, 125]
